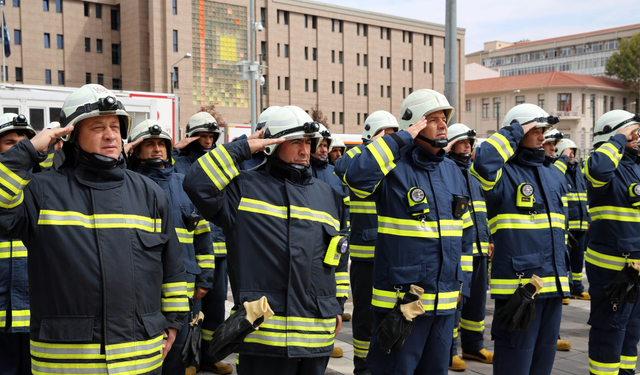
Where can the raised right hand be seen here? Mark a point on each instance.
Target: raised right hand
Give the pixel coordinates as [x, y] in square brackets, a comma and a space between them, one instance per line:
[628, 131]
[528, 127]
[416, 128]
[47, 137]
[259, 144]
[184, 142]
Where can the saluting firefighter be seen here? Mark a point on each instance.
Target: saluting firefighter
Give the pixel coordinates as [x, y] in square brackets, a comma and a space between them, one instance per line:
[613, 192]
[322, 169]
[202, 134]
[578, 216]
[14, 283]
[106, 276]
[526, 212]
[462, 145]
[151, 158]
[55, 158]
[424, 229]
[362, 241]
[285, 233]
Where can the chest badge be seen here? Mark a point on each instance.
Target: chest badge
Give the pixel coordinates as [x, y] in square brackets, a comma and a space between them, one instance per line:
[417, 195]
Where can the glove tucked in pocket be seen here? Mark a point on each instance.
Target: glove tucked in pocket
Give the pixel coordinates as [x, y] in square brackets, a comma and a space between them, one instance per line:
[396, 326]
[624, 286]
[521, 307]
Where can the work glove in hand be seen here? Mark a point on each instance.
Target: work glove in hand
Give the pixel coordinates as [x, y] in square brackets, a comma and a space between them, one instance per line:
[396, 326]
[191, 349]
[624, 286]
[573, 243]
[521, 308]
[230, 335]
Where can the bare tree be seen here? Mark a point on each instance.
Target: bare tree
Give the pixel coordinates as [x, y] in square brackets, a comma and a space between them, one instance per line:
[317, 115]
[211, 109]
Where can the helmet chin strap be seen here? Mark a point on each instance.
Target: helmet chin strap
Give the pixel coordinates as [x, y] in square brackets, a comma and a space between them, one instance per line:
[632, 150]
[100, 161]
[436, 143]
[539, 151]
[154, 162]
[464, 157]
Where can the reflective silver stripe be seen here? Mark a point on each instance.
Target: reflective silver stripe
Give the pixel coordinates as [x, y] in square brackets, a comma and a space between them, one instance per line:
[595, 212]
[132, 351]
[501, 142]
[628, 362]
[203, 226]
[184, 236]
[253, 205]
[452, 227]
[361, 250]
[13, 183]
[442, 300]
[174, 303]
[39, 367]
[342, 279]
[381, 153]
[42, 350]
[318, 215]
[601, 369]
[214, 171]
[99, 220]
[219, 248]
[137, 367]
[417, 227]
[299, 325]
[466, 263]
[8, 201]
[174, 290]
[223, 157]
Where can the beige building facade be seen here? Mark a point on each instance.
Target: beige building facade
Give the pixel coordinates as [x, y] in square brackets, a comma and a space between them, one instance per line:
[346, 62]
[572, 97]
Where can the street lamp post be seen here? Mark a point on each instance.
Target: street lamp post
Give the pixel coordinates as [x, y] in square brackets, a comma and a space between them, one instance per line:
[186, 56]
[498, 108]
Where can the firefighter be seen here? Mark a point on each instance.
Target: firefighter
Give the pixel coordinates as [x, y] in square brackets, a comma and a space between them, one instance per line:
[14, 290]
[526, 213]
[285, 233]
[578, 216]
[362, 242]
[106, 277]
[322, 169]
[424, 229]
[462, 145]
[337, 150]
[151, 159]
[203, 131]
[612, 174]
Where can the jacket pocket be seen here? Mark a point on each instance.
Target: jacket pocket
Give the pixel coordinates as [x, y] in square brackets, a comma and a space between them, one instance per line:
[66, 328]
[152, 241]
[407, 274]
[628, 245]
[154, 323]
[328, 306]
[527, 262]
[370, 234]
[192, 267]
[276, 300]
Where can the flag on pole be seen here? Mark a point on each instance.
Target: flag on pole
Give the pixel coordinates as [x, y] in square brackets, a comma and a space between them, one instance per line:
[7, 40]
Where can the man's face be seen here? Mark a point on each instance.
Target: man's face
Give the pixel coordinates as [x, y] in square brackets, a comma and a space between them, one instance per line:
[322, 152]
[100, 135]
[633, 142]
[206, 139]
[533, 139]
[335, 154]
[436, 126]
[462, 147]
[572, 156]
[295, 151]
[8, 140]
[152, 148]
[549, 148]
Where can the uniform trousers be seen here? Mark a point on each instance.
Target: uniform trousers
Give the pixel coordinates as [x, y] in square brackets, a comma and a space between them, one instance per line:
[213, 308]
[262, 365]
[15, 357]
[361, 274]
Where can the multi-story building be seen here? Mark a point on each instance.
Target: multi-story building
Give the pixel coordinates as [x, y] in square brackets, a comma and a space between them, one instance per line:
[346, 62]
[585, 53]
[579, 100]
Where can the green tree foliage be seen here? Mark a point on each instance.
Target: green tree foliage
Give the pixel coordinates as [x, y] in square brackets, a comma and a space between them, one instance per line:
[625, 63]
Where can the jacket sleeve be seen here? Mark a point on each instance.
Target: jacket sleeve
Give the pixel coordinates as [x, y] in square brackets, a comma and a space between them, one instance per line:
[601, 165]
[18, 193]
[562, 163]
[174, 298]
[342, 274]
[212, 185]
[494, 153]
[468, 235]
[369, 167]
[203, 245]
[342, 164]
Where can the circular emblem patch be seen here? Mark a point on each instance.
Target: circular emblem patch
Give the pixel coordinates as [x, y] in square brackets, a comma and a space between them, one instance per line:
[636, 189]
[100, 89]
[527, 190]
[417, 195]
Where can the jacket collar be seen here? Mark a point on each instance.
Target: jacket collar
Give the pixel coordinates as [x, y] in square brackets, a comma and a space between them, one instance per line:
[424, 159]
[464, 165]
[526, 156]
[284, 171]
[156, 174]
[319, 163]
[98, 178]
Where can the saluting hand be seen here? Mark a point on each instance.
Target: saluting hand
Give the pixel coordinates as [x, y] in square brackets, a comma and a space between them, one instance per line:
[450, 145]
[416, 128]
[528, 127]
[628, 131]
[567, 152]
[185, 142]
[128, 148]
[259, 144]
[257, 134]
[47, 137]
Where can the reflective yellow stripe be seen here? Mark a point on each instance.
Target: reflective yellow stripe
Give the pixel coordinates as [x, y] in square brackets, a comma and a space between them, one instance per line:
[518, 221]
[3, 318]
[66, 351]
[466, 262]
[509, 286]
[134, 349]
[575, 224]
[383, 155]
[176, 303]
[611, 151]
[207, 334]
[353, 152]
[479, 206]
[361, 251]
[282, 331]
[587, 175]
[20, 318]
[561, 166]
[362, 207]
[206, 261]
[203, 227]
[470, 325]
[601, 368]
[48, 162]
[415, 228]
[219, 248]
[191, 287]
[614, 213]
[305, 213]
[12, 181]
[486, 184]
[628, 362]
[342, 278]
[184, 236]
[484, 248]
[610, 262]
[502, 145]
[387, 299]
[12, 249]
[99, 221]
[455, 332]
[174, 289]
[261, 207]
[10, 201]
[565, 203]
[466, 220]
[360, 348]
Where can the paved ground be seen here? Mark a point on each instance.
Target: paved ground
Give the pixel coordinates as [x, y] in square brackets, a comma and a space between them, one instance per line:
[573, 328]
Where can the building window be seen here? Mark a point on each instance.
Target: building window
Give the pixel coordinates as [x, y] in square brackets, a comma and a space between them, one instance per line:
[611, 103]
[341, 118]
[583, 102]
[388, 62]
[467, 105]
[306, 22]
[610, 44]
[340, 28]
[45, 7]
[17, 37]
[430, 40]
[333, 26]
[358, 89]
[340, 57]
[358, 119]
[263, 50]
[315, 85]
[410, 65]
[425, 67]
[357, 29]
[86, 9]
[175, 40]
[263, 16]
[278, 50]
[382, 33]
[551, 53]
[364, 30]
[99, 45]
[388, 33]
[286, 50]
[18, 74]
[306, 53]
[115, 54]
[115, 19]
[61, 77]
[357, 59]
[596, 47]
[410, 37]
[278, 82]
[519, 99]
[333, 56]
[388, 91]
[333, 87]
[333, 118]
[174, 6]
[366, 90]
[485, 108]
[16, 3]
[286, 83]
[541, 101]
[176, 77]
[58, 6]
[47, 76]
[340, 87]
[496, 107]
[564, 102]
[87, 78]
[404, 92]
[430, 68]
[117, 83]
[565, 51]
[314, 22]
[60, 41]
[381, 91]
[101, 79]
[365, 60]
[381, 62]
[285, 18]
[580, 50]
[306, 84]
[403, 64]
[47, 41]
[98, 10]
[87, 44]
[314, 54]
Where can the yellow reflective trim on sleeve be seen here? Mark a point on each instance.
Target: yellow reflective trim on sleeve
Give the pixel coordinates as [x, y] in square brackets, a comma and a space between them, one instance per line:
[611, 151]
[479, 206]
[382, 154]
[346, 200]
[466, 262]
[8, 201]
[48, 162]
[561, 166]
[587, 175]
[565, 202]
[486, 184]
[174, 289]
[184, 236]
[342, 278]
[12, 181]
[175, 304]
[206, 261]
[203, 227]
[227, 164]
[361, 251]
[219, 248]
[12, 249]
[211, 169]
[502, 145]
[466, 220]
[354, 151]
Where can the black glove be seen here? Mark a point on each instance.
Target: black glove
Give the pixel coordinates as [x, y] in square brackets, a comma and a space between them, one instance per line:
[624, 286]
[396, 326]
[520, 309]
[191, 350]
[573, 243]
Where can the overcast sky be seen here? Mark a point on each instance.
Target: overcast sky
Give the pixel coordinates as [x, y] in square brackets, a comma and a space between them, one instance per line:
[510, 21]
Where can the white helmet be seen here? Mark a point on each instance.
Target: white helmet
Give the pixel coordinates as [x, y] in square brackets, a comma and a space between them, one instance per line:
[12, 122]
[462, 131]
[612, 121]
[326, 134]
[553, 135]
[151, 129]
[421, 103]
[291, 122]
[90, 101]
[264, 116]
[338, 143]
[377, 121]
[527, 113]
[565, 144]
[203, 122]
[52, 125]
